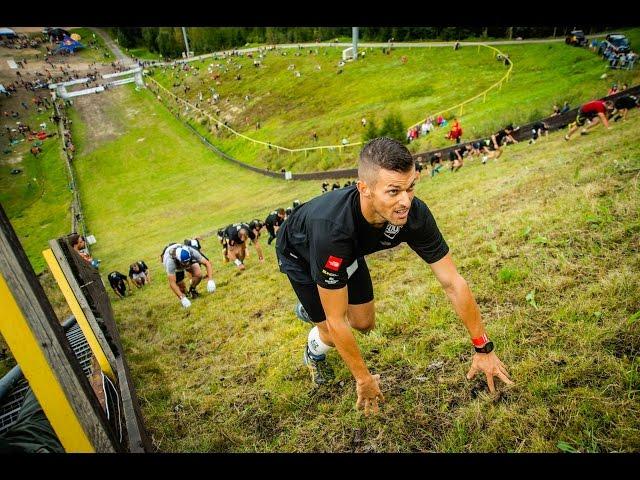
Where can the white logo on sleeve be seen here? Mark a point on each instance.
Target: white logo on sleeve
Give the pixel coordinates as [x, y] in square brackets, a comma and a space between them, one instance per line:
[391, 231]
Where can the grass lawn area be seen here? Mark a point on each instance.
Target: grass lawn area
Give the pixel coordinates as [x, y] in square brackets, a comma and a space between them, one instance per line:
[547, 238]
[291, 108]
[37, 200]
[142, 54]
[95, 49]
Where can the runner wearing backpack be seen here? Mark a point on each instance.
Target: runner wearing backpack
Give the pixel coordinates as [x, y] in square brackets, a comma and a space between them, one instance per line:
[177, 259]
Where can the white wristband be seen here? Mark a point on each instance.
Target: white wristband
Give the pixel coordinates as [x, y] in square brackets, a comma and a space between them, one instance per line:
[237, 261]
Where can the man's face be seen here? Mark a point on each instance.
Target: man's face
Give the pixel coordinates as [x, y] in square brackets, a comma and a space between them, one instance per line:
[391, 194]
[81, 243]
[136, 268]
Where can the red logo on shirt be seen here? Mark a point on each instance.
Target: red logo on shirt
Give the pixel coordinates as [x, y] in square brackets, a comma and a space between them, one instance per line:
[333, 263]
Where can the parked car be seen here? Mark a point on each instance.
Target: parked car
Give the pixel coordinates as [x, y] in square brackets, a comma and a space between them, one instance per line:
[576, 38]
[618, 43]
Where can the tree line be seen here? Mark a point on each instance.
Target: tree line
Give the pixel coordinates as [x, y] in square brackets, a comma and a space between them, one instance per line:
[169, 41]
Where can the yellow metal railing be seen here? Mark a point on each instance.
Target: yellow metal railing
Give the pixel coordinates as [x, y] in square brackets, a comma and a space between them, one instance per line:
[483, 94]
[460, 105]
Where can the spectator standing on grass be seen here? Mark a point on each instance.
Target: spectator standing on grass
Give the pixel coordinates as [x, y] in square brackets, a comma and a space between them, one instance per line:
[322, 247]
[455, 133]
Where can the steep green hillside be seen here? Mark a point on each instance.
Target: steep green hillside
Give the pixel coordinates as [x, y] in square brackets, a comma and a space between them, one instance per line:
[291, 108]
[547, 238]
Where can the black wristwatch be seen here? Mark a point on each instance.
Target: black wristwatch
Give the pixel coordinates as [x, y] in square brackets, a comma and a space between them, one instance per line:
[488, 347]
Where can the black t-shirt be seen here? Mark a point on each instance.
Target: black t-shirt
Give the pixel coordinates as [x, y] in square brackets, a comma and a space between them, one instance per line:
[435, 159]
[329, 233]
[273, 220]
[452, 153]
[627, 101]
[538, 126]
[116, 279]
[500, 136]
[231, 232]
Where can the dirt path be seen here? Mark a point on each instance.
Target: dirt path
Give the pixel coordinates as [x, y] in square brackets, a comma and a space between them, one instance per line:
[94, 111]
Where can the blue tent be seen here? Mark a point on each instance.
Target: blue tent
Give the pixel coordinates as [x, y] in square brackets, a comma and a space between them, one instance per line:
[68, 45]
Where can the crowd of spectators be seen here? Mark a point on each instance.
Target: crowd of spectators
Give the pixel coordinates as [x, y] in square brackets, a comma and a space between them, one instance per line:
[619, 60]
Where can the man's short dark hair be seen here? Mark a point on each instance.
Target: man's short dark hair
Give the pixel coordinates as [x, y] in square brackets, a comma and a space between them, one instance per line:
[384, 153]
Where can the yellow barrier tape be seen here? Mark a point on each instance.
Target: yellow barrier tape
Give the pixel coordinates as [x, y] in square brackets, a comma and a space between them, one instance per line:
[483, 94]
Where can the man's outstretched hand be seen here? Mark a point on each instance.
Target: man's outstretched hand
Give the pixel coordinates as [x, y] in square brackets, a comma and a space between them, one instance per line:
[490, 364]
[369, 394]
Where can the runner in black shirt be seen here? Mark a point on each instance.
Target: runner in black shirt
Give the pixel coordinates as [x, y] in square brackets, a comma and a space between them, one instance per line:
[436, 163]
[321, 249]
[236, 236]
[117, 282]
[273, 222]
[536, 131]
[622, 106]
[456, 156]
[223, 242]
[498, 139]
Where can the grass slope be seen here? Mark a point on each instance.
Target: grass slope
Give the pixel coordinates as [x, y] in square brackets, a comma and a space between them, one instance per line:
[36, 200]
[548, 238]
[291, 108]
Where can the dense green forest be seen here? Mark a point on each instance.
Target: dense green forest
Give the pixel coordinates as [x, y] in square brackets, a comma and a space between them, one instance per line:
[168, 41]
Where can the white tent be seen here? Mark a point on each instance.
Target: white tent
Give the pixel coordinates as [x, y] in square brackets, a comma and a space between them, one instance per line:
[7, 32]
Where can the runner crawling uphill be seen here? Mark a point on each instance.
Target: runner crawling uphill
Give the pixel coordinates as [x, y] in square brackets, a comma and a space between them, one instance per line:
[321, 248]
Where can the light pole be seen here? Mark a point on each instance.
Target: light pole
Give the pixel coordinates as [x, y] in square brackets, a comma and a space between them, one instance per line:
[186, 42]
[354, 35]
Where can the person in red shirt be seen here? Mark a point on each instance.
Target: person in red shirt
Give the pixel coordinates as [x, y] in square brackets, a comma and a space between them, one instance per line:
[591, 112]
[456, 132]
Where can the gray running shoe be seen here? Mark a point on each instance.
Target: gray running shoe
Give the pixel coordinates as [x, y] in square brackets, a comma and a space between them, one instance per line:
[321, 371]
[302, 314]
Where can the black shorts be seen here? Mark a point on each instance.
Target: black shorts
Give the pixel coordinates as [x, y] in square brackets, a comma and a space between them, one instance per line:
[179, 276]
[271, 229]
[359, 286]
[583, 117]
[625, 103]
[120, 287]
